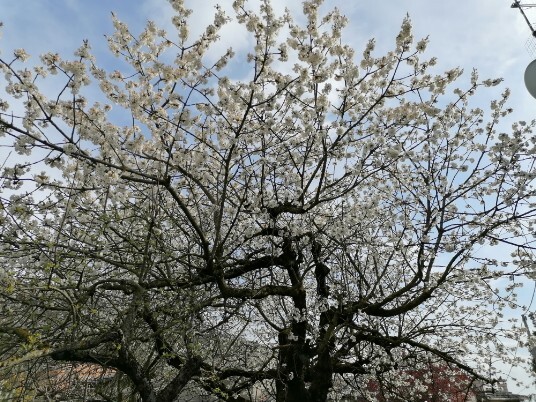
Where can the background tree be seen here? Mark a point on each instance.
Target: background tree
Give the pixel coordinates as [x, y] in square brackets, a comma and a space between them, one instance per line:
[290, 234]
[433, 383]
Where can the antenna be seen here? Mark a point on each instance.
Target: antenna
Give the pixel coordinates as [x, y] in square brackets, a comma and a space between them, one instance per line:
[520, 7]
[530, 72]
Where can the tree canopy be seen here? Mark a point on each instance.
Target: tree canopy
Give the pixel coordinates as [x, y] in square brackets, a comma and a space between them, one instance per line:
[291, 223]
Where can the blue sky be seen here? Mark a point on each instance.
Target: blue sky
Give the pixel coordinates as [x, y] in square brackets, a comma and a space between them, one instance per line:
[485, 34]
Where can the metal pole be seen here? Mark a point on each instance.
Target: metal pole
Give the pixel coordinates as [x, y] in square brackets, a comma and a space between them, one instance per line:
[520, 6]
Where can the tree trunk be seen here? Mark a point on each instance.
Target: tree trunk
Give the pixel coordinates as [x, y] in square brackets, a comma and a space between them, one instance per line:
[322, 378]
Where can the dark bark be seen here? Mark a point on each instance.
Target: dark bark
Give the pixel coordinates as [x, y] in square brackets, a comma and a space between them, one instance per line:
[129, 366]
[322, 372]
[322, 375]
[293, 351]
[321, 270]
[171, 392]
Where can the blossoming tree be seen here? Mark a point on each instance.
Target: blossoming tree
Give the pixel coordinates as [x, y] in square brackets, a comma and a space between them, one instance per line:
[319, 224]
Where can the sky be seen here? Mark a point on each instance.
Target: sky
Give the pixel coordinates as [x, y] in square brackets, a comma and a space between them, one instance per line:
[487, 35]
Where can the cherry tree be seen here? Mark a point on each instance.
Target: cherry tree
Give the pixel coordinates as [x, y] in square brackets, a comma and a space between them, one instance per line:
[291, 232]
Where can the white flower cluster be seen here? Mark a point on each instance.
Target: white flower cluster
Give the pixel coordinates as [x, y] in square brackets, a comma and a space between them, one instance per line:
[363, 189]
